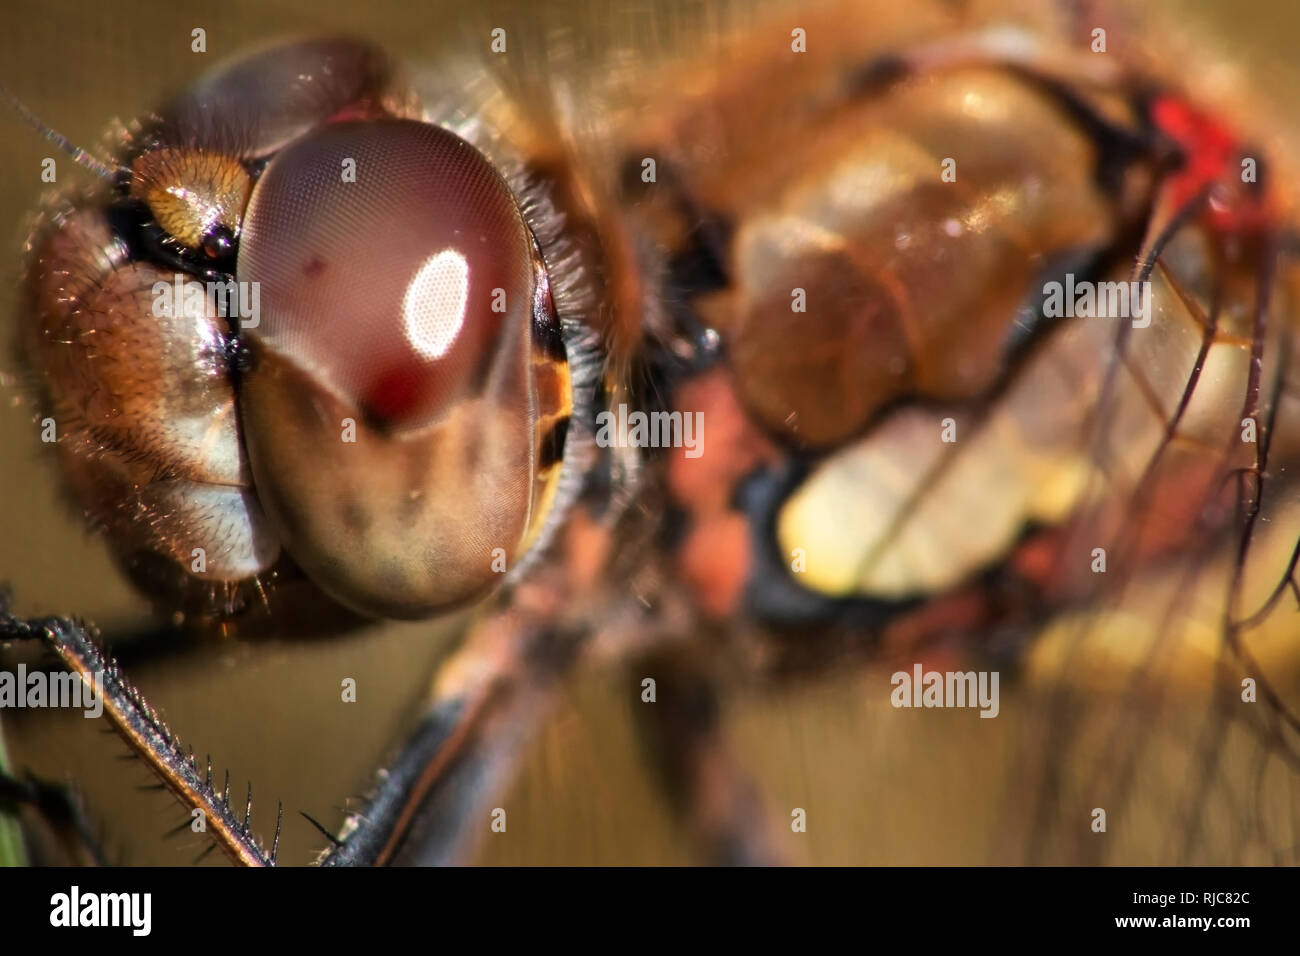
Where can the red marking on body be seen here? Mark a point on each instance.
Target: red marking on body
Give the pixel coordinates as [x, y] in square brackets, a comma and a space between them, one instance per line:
[1039, 559]
[1213, 152]
[715, 561]
[314, 267]
[588, 547]
[936, 631]
[731, 447]
[714, 556]
[362, 109]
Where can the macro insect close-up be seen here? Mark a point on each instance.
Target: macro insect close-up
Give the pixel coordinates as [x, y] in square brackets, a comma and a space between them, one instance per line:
[853, 433]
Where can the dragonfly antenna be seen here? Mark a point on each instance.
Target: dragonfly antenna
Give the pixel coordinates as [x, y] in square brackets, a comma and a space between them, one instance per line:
[79, 155]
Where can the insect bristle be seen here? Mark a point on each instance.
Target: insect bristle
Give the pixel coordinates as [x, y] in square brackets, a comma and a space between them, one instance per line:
[79, 156]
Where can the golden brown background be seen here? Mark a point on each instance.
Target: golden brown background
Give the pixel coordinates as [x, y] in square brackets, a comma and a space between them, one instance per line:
[932, 788]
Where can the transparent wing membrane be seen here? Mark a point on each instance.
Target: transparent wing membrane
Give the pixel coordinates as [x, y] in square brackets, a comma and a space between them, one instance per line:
[1168, 700]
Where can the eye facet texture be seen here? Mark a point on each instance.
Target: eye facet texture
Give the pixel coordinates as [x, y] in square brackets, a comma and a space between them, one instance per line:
[383, 287]
[390, 411]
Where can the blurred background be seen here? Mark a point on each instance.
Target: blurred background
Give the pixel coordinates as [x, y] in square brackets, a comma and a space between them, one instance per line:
[877, 788]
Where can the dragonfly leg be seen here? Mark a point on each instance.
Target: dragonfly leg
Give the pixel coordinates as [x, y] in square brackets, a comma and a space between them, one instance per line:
[485, 702]
[685, 739]
[144, 731]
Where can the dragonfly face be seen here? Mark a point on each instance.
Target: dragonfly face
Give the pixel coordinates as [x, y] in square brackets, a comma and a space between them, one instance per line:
[402, 374]
[853, 365]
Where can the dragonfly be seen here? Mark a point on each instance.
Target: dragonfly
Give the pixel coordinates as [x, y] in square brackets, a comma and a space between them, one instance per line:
[761, 366]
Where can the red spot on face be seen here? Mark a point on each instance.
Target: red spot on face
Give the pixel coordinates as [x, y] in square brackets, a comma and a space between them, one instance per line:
[314, 268]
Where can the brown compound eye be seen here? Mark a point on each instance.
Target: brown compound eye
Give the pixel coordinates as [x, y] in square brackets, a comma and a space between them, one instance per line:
[269, 97]
[194, 172]
[390, 258]
[399, 380]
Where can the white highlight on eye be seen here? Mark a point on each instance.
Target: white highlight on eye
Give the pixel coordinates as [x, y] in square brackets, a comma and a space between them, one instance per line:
[433, 309]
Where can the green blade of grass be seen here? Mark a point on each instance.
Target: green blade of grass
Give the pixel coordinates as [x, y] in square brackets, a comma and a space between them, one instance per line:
[12, 852]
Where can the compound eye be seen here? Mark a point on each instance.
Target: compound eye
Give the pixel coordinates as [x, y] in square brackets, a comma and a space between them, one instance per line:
[193, 173]
[264, 100]
[390, 256]
[392, 405]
